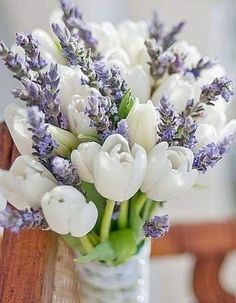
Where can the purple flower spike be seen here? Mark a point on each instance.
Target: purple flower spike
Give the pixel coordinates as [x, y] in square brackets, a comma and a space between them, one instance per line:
[206, 157]
[156, 227]
[225, 145]
[219, 87]
[16, 220]
[203, 63]
[64, 171]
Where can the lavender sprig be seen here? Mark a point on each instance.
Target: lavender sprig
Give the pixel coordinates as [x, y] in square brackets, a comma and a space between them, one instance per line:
[225, 145]
[64, 171]
[16, 220]
[106, 79]
[31, 48]
[219, 87]
[170, 120]
[206, 157]
[73, 20]
[14, 62]
[186, 133]
[43, 141]
[203, 63]
[156, 227]
[157, 31]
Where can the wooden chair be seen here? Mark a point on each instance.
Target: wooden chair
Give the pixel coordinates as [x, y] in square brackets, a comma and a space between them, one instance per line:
[32, 263]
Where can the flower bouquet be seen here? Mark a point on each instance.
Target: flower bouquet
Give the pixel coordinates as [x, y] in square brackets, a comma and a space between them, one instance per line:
[114, 121]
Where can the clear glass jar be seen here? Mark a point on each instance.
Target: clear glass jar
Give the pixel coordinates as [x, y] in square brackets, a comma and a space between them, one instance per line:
[126, 283]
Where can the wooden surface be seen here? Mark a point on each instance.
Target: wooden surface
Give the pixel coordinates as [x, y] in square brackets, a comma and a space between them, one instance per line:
[37, 267]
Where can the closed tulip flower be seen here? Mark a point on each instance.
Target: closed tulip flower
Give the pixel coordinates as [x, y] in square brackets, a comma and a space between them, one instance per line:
[142, 124]
[66, 211]
[16, 120]
[26, 183]
[119, 171]
[169, 172]
[83, 159]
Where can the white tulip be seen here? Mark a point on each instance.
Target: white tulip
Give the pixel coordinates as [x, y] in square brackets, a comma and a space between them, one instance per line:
[205, 134]
[132, 36]
[228, 130]
[107, 36]
[16, 120]
[66, 211]
[142, 123]
[26, 183]
[177, 88]
[169, 172]
[78, 121]
[70, 85]
[83, 159]
[139, 82]
[119, 171]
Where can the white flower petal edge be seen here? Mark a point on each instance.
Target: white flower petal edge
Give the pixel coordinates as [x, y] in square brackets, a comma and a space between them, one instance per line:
[16, 120]
[119, 172]
[142, 124]
[66, 211]
[26, 182]
[169, 172]
[83, 159]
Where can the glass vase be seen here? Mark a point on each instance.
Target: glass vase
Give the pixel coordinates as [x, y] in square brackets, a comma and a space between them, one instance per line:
[126, 283]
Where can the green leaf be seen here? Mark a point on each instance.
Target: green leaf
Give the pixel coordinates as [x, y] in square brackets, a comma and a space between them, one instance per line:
[124, 244]
[126, 104]
[100, 202]
[88, 138]
[102, 252]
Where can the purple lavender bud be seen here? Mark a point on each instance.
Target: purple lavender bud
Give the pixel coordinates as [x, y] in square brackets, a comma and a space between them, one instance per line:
[156, 28]
[16, 220]
[219, 87]
[101, 69]
[170, 38]
[225, 145]
[64, 171]
[206, 157]
[203, 63]
[156, 227]
[122, 128]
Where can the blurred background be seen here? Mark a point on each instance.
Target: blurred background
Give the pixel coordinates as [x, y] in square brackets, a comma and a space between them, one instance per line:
[211, 26]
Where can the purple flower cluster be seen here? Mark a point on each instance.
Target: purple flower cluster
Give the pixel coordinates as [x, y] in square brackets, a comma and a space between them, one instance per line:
[14, 62]
[206, 157]
[203, 63]
[219, 87]
[16, 220]
[31, 48]
[107, 80]
[225, 145]
[43, 141]
[64, 171]
[186, 133]
[73, 20]
[162, 62]
[170, 120]
[156, 227]
[158, 32]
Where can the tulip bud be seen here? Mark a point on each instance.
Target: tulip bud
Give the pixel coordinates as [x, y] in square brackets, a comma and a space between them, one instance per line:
[66, 211]
[142, 124]
[65, 140]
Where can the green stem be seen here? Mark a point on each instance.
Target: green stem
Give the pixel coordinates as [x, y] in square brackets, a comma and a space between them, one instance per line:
[86, 244]
[153, 207]
[139, 202]
[123, 216]
[94, 238]
[146, 209]
[106, 220]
